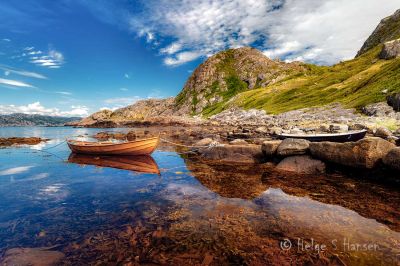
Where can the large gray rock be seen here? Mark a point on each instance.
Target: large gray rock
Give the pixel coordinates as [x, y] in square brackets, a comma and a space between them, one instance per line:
[365, 153]
[234, 153]
[290, 147]
[392, 159]
[381, 109]
[301, 164]
[269, 147]
[390, 50]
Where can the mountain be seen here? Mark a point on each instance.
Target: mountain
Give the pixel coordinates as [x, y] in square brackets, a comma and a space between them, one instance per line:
[388, 29]
[246, 78]
[228, 73]
[370, 77]
[19, 119]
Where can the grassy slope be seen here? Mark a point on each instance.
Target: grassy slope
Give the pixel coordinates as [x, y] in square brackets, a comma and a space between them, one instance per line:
[354, 83]
[233, 83]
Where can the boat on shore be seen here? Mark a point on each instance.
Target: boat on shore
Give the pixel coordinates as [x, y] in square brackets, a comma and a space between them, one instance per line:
[136, 163]
[332, 137]
[135, 147]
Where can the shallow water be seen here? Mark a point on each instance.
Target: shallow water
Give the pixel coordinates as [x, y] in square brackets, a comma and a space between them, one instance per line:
[190, 213]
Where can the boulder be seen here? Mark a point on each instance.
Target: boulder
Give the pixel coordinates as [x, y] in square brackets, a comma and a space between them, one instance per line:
[365, 153]
[392, 159]
[269, 147]
[394, 101]
[301, 164]
[238, 142]
[382, 132]
[290, 147]
[390, 50]
[31, 256]
[234, 153]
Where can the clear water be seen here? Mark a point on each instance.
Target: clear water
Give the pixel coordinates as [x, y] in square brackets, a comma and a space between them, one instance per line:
[191, 213]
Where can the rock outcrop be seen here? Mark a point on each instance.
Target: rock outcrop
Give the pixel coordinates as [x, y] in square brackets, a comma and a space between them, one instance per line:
[387, 30]
[365, 153]
[227, 73]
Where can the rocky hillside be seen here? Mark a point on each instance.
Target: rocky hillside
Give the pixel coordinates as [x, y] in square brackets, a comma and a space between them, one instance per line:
[19, 119]
[150, 110]
[226, 74]
[387, 30]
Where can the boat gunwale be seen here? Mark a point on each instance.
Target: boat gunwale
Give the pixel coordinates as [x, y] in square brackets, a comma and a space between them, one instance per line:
[99, 144]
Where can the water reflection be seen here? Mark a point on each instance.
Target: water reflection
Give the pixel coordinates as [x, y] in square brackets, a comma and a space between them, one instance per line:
[139, 163]
[193, 213]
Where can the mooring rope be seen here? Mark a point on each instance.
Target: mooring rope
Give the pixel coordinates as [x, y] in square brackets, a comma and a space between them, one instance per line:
[54, 146]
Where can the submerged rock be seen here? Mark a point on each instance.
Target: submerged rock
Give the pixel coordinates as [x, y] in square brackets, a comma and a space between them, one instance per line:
[234, 153]
[365, 153]
[392, 159]
[20, 141]
[203, 142]
[269, 147]
[293, 147]
[31, 257]
[302, 164]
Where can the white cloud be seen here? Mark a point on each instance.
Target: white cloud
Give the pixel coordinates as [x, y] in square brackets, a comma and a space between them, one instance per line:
[172, 48]
[6, 40]
[63, 92]
[14, 83]
[123, 89]
[126, 75]
[10, 70]
[37, 108]
[15, 170]
[312, 30]
[53, 59]
[181, 58]
[122, 100]
[109, 108]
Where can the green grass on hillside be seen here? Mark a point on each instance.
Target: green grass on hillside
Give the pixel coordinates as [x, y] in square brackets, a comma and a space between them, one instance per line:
[353, 83]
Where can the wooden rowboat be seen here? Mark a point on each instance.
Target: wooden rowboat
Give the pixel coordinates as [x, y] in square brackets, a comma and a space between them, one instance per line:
[136, 147]
[137, 163]
[335, 137]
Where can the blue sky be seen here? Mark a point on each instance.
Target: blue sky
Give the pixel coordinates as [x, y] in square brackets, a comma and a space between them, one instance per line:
[74, 57]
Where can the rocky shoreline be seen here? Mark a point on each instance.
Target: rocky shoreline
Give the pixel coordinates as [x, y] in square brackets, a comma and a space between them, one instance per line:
[237, 136]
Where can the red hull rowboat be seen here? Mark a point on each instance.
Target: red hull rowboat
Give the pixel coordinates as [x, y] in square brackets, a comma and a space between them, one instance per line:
[136, 147]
